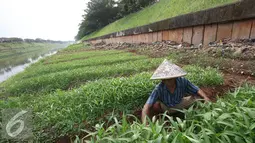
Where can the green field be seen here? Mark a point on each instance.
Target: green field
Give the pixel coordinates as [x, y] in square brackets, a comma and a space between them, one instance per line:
[82, 90]
[159, 11]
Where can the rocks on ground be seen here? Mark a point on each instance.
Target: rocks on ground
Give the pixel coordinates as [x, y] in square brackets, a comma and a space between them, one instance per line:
[228, 55]
[243, 49]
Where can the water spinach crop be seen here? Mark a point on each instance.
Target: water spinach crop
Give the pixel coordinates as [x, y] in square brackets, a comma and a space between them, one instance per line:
[78, 88]
[230, 120]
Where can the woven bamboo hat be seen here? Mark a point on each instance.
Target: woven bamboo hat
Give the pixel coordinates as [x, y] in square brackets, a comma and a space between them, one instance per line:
[168, 70]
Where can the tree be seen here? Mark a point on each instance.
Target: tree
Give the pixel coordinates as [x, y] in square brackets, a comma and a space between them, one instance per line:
[131, 6]
[100, 13]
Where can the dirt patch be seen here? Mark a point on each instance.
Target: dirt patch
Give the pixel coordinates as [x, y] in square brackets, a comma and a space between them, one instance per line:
[238, 80]
[231, 82]
[242, 49]
[132, 51]
[64, 139]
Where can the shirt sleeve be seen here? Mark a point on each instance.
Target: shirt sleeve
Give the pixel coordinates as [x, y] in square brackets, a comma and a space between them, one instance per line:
[153, 97]
[191, 88]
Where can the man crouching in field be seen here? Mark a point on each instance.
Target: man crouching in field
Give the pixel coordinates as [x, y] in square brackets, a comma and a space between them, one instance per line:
[169, 94]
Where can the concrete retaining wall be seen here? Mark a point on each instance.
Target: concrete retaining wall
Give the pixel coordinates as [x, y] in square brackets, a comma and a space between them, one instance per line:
[235, 21]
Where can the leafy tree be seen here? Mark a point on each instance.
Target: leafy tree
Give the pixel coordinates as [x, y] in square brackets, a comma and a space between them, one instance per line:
[131, 6]
[100, 13]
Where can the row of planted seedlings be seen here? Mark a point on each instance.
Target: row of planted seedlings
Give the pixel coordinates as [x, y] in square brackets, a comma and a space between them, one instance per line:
[229, 120]
[74, 77]
[38, 70]
[77, 47]
[97, 64]
[65, 113]
[63, 57]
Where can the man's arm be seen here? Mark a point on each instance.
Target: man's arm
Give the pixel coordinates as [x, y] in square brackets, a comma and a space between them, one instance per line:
[147, 108]
[194, 90]
[203, 95]
[146, 111]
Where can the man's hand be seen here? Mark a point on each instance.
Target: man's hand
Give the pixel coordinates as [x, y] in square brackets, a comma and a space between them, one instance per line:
[202, 94]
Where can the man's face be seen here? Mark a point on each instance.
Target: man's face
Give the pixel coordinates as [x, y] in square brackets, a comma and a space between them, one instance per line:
[168, 80]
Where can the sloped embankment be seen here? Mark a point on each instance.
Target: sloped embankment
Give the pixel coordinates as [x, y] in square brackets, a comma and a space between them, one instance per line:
[159, 11]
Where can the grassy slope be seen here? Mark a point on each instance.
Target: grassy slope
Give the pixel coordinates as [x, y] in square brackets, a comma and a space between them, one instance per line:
[159, 11]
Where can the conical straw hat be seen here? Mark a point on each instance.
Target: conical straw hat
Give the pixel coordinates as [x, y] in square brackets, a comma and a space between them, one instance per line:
[168, 70]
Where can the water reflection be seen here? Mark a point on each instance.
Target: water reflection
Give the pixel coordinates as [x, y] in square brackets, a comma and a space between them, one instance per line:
[7, 72]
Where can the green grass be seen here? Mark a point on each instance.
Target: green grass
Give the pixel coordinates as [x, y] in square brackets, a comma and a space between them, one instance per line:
[159, 11]
[229, 120]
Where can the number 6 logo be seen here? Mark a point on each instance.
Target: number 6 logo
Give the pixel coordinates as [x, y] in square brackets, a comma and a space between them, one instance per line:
[12, 122]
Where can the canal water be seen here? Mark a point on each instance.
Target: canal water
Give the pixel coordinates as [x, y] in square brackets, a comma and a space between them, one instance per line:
[12, 69]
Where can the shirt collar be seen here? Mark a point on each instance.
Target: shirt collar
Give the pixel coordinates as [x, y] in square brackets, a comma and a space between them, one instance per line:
[165, 87]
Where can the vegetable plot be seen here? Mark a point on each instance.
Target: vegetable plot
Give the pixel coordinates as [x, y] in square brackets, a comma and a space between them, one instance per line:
[74, 77]
[64, 112]
[230, 120]
[107, 82]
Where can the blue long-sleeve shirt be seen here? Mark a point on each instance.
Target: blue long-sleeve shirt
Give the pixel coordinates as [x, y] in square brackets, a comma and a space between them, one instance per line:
[161, 92]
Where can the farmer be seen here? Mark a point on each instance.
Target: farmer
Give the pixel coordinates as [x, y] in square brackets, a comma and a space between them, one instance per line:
[169, 94]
